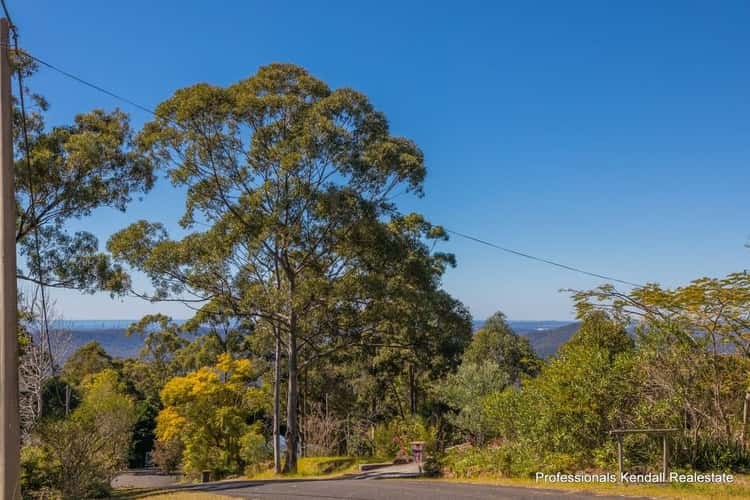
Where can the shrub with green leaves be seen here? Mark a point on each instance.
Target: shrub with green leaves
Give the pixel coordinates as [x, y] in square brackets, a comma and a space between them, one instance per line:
[90, 446]
[395, 437]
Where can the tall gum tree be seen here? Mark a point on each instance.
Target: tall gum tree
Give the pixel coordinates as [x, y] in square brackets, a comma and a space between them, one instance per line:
[291, 184]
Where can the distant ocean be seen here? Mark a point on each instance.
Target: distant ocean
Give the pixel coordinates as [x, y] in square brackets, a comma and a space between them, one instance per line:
[524, 326]
[98, 324]
[118, 324]
[110, 333]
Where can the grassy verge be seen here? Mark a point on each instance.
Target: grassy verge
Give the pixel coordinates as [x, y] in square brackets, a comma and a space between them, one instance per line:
[188, 496]
[739, 489]
[320, 468]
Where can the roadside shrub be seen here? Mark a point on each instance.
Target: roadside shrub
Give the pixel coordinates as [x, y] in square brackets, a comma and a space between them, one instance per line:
[561, 462]
[90, 446]
[359, 442]
[254, 446]
[466, 461]
[717, 454]
[208, 410]
[38, 472]
[394, 438]
[168, 454]
[321, 431]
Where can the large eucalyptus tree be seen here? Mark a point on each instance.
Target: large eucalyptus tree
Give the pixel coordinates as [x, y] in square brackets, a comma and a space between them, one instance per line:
[289, 215]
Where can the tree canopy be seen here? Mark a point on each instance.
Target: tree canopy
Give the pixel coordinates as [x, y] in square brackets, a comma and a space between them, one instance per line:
[291, 183]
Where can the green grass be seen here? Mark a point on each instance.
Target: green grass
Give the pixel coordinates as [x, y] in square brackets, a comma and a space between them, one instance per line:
[321, 467]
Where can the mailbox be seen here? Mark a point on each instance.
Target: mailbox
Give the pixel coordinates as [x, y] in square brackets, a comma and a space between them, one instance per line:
[417, 449]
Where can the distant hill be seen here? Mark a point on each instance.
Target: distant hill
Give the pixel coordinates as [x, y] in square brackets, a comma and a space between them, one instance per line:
[545, 337]
[546, 342]
[113, 340]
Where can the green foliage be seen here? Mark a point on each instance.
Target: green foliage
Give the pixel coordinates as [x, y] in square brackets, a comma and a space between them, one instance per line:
[255, 448]
[556, 421]
[693, 358]
[465, 390]
[718, 453]
[582, 394]
[496, 358]
[89, 359]
[496, 341]
[508, 460]
[321, 466]
[71, 171]
[38, 472]
[394, 438]
[90, 446]
[293, 184]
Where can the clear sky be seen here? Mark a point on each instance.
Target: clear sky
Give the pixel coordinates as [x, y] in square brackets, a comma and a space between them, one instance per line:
[613, 136]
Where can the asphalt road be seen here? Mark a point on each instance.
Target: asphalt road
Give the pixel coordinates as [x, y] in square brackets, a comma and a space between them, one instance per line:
[378, 489]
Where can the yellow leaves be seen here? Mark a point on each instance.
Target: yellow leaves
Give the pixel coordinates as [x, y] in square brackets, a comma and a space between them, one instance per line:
[224, 362]
[169, 424]
[210, 409]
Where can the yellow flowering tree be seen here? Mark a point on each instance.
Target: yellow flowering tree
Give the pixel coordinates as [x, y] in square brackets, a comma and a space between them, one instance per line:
[215, 412]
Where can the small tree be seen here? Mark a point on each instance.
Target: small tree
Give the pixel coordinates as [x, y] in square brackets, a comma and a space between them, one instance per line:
[43, 348]
[496, 341]
[708, 316]
[585, 391]
[465, 391]
[91, 446]
[211, 411]
[89, 359]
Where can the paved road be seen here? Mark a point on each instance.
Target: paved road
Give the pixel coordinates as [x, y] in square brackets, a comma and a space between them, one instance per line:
[145, 478]
[385, 489]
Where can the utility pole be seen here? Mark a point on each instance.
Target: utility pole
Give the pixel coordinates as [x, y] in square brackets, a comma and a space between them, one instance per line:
[10, 442]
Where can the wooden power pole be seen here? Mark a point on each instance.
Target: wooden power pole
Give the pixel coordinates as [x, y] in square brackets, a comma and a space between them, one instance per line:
[10, 443]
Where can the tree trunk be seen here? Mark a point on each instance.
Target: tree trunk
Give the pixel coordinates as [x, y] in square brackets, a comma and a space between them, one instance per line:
[743, 435]
[292, 430]
[67, 399]
[276, 402]
[412, 391]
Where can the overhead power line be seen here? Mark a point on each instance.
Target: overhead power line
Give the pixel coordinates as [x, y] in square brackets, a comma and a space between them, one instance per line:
[545, 261]
[94, 86]
[153, 112]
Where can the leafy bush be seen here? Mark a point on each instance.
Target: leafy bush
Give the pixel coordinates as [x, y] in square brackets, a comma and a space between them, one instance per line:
[254, 446]
[465, 390]
[91, 446]
[711, 454]
[394, 438]
[489, 461]
[359, 441]
[38, 472]
[168, 454]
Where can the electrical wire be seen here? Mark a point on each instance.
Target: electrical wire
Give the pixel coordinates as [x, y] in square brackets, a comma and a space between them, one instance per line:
[543, 260]
[45, 337]
[151, 111]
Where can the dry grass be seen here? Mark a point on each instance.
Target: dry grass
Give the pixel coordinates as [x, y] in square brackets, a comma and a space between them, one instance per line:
[187, 496]
[739, 489]
[319, 468]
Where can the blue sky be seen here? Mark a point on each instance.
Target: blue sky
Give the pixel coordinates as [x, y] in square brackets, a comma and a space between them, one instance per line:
[609, 136]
